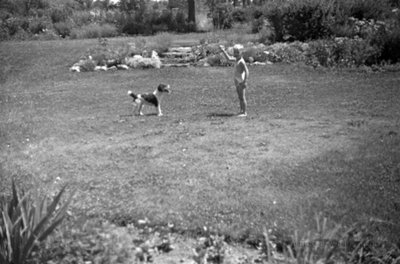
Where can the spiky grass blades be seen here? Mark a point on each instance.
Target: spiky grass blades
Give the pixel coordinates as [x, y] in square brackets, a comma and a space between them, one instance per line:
[26, 222]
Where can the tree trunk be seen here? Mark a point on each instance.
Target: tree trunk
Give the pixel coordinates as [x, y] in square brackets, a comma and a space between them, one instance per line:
[191, 11]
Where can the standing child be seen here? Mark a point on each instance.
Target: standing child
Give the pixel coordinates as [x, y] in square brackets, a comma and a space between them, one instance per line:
[240, 75]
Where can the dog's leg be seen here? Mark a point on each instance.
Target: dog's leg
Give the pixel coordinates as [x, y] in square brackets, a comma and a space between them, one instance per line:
[159, 113]
[140, 109]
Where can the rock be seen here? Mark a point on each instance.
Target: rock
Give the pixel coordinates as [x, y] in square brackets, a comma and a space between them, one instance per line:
[180, 50]
[138, 61]
[100, 68]
[122, 67]
[134, 61]
[176, 65]
[75, 68]
[112, 62]
[83, 65]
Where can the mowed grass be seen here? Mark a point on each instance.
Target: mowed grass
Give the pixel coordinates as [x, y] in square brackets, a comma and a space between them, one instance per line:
[315, 141]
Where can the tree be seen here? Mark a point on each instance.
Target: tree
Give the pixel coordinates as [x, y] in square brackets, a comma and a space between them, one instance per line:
[191, 11]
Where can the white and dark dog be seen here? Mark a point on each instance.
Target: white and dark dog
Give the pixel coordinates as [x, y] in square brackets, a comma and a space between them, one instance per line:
[153, 99]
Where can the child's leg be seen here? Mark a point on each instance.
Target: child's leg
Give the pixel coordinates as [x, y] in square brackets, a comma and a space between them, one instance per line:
[241, 90]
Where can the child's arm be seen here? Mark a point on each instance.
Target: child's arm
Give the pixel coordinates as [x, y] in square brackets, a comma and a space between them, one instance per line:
[246, 70]
[227, 56]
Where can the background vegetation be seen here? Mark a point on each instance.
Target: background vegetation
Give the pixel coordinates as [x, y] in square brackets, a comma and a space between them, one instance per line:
[370, 28]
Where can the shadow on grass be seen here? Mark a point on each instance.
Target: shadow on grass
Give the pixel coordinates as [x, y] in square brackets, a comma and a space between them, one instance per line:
[136, 115]
[220, 115]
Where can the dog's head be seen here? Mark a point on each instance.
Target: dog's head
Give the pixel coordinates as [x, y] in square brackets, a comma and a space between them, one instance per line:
[164, 88]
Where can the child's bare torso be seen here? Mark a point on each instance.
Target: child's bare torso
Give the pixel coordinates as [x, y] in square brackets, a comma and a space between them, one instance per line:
[240, 71]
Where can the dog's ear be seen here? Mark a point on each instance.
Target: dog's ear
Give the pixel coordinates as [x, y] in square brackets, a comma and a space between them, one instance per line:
[161, 86]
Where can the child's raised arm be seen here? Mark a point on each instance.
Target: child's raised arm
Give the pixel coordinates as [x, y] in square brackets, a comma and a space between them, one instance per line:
[227, 56]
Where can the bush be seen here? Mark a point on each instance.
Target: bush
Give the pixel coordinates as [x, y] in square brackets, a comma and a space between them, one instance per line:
[59, 15]
[4, 33]
[306, 20]
[94, 31]
[63, 29]
[239, 15]
[254, 54]
[38, 25]
[266, 35]
[135, 24]
[161, 43]
[368, 9]
[14, 24]
[222, 16]
[274, 13]
[391, 48]
[182, 24]
[81, 18]
[343, 52]
[258, 24]
[163, 21]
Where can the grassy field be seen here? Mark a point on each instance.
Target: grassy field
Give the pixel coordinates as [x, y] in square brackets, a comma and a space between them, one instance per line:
[315, 141]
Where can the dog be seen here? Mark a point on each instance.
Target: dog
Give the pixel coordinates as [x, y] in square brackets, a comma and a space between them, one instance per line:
[153, 99]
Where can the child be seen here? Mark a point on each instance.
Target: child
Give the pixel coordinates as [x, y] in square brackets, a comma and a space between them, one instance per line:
[240, 75]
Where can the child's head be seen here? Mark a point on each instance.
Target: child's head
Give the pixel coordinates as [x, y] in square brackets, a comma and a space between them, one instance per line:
[237, 51]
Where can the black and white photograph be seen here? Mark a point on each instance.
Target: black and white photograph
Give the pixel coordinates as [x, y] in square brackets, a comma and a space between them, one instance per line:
[200, 131]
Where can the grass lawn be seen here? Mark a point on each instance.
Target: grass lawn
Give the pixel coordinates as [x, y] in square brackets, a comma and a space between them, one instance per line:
[315, 141]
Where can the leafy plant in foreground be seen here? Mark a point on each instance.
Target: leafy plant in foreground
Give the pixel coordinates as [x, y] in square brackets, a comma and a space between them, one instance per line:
[25, 222]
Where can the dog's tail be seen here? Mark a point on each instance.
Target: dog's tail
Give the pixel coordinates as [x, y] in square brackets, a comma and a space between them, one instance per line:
[134, 96]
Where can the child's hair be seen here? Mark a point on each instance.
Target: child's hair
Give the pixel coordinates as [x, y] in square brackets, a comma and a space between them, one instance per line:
[238, 47]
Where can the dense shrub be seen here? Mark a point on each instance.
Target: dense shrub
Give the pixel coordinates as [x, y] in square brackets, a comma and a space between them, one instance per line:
[154, 21]
[160, 43]
[59, 15]
[163, 21]
[14, 24]
[368, 9]
[39, 25]
[4, 33]
[94, 31]
[306, 20]
[81, 18]
[134, 24]
[266, 35]
[239, 15]
[222, 16]
[274, 13]
[343, 52]
[299, 20]
[63, 29]
[391, 48]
